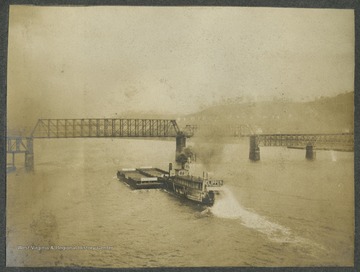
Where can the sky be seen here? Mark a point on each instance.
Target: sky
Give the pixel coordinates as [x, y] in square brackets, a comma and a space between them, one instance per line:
[83, 62]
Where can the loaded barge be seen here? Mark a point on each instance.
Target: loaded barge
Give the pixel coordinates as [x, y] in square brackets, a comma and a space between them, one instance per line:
[177, 181]
[143, 178]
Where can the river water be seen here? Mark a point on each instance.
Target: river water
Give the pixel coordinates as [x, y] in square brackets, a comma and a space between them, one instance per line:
[280, 211]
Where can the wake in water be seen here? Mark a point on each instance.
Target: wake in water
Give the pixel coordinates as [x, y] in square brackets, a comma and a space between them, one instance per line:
[226, 206]
[333, 156]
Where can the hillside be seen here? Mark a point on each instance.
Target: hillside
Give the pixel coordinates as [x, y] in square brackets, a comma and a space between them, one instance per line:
[324, 115]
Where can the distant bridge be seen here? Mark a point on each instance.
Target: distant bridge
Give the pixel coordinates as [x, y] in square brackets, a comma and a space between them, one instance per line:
[310, 142]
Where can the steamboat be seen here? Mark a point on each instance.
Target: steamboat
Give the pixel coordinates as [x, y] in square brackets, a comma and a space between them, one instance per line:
[177, 181]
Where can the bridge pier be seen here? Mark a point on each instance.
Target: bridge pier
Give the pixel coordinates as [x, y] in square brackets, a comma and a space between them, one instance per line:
[13, 160]
[310, 153]
[10, 166]
[29, 155]
[29, 162]
[254, 153]
[180, 145]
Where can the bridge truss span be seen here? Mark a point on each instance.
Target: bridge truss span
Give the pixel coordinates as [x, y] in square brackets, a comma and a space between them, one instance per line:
[105, 127]
[341, 140]
[310, 142]
[19, 144]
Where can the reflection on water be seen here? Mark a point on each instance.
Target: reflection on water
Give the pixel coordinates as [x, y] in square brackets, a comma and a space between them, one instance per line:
[280, 211]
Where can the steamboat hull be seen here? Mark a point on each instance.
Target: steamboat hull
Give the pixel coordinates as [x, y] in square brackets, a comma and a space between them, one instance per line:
[207, 198]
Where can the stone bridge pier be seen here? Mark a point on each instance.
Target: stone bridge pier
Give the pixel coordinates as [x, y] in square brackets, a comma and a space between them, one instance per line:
[254, 153]
[310, 153]
[29, 155]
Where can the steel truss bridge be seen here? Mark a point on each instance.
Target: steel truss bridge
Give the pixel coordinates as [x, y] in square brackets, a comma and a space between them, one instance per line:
[161, 128]
[310, 142]
[94, 128]
[83, 128]
[345, 140]
[17, 145]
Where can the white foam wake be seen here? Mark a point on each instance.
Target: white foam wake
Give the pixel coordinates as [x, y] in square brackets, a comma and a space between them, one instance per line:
[226, 206]
[333, 156]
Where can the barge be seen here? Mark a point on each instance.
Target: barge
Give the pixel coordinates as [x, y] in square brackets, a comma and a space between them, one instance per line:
[177, 181]
[142, 178]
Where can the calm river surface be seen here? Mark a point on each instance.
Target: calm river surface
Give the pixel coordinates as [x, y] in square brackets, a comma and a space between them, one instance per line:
[280, 211]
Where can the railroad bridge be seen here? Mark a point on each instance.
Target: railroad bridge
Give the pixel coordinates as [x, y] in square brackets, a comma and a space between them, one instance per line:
[161, 128]
[95, 128]
[309, 142]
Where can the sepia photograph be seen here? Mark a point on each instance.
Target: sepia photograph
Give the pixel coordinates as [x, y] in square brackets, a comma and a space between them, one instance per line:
[180, 136]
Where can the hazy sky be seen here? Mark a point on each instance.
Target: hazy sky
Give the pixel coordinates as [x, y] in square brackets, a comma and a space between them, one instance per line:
[73, 62]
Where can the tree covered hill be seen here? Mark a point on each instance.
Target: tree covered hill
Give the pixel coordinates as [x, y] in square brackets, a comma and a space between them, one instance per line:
[323, 115]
